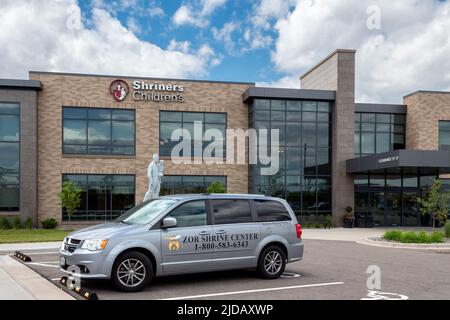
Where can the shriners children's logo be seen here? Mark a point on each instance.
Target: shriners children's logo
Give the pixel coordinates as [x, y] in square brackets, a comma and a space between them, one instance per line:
[119, 89]
[174, 243]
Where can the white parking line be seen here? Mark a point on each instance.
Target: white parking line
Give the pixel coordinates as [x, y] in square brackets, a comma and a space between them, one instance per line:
[43, 264]
[255, 290]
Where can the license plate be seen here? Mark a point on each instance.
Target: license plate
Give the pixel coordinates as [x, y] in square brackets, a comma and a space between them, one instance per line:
[62, 261]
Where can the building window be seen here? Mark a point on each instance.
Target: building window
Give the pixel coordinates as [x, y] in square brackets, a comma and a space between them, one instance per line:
[304, 178]
[189, 184]
[444, 135]
[98, 131]
[378, 133]
[103, 197]
[171, 121]
[9, 157]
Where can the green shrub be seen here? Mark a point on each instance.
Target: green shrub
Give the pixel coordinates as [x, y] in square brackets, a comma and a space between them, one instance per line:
[17, 224]
[393, 235]
[413, 237]
[409, 237]
[217, 187]
[4, 224]
[447, 229]
[436, 237]
[49, 223]
[29, 223]
[422, 237]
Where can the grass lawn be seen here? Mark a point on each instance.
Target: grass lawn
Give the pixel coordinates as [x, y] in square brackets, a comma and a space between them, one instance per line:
[35, 235]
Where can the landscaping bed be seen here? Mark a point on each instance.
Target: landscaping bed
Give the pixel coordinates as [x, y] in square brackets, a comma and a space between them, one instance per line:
[415, 237]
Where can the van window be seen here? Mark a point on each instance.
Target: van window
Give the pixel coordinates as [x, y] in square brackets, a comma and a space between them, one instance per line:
[231, 211]
[271, 211]
[190, 214]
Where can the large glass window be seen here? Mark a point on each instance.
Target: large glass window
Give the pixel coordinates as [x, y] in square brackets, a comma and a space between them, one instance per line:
[378, 133]
[304, 178]
[9, 157]
[189, 184]
[103, 197]
[98, 131]
[444, 135]
[171, 120]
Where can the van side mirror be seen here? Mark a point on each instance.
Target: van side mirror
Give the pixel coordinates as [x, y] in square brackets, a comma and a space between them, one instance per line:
[169, 222]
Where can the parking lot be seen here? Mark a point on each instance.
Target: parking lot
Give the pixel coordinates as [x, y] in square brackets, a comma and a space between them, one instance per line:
[330, 270]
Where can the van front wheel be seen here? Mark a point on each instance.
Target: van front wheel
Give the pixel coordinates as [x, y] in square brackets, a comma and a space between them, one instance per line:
[132, 272]
[272, 262]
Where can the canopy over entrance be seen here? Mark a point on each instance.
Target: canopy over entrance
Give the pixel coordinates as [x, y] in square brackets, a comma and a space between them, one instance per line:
[427, 161]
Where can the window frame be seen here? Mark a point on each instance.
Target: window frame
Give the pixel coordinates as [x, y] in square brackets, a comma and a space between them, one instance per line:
[204, 123]
[110, 212]
[87, 121]
[18, 143]
[440, 145]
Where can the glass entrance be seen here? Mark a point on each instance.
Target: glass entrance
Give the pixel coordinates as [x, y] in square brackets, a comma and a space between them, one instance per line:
[377, 206]
[393, 209]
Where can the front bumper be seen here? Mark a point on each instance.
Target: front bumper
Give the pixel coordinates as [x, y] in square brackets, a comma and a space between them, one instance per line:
[84, 264]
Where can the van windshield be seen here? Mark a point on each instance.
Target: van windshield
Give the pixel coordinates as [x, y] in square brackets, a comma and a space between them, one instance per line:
[146, 211]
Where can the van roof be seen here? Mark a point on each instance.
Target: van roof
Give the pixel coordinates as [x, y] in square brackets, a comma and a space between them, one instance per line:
[216, 195]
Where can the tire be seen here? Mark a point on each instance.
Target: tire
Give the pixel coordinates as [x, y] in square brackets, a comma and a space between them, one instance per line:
[132, 272]
[271, 262]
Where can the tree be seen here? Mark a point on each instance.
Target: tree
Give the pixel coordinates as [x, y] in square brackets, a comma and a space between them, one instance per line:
[70, 197]
[435, 203]
[216, 187]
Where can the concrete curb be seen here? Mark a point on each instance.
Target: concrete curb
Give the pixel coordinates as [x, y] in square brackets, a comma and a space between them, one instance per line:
[18, 282]
[376, 242]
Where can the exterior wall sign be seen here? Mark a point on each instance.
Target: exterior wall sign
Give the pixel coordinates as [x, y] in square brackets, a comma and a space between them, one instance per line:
[390, 159]
[148, 91]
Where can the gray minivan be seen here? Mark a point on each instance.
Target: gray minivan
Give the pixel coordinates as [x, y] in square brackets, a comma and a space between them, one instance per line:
[187, 234]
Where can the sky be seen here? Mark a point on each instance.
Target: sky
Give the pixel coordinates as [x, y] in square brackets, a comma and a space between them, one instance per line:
[402, 46]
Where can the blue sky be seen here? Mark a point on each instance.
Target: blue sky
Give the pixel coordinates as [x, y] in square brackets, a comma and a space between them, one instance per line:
[240, 64]
[402, 46]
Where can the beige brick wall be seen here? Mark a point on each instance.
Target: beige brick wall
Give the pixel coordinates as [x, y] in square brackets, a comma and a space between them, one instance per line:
[91, 91]
[425, 109]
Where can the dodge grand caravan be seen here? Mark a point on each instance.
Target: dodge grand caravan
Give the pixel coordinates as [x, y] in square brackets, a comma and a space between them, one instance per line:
[186, 234]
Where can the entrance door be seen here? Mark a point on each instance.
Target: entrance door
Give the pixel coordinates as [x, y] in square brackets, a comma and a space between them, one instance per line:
[410, 209]
[377, 206]
[393, 209]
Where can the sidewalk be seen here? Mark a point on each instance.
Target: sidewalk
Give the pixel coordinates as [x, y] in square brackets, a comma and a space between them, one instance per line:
[354, 235]
[9, 248]
[18, 282]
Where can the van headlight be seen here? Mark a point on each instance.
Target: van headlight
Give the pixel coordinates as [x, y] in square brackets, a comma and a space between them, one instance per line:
[94, 244]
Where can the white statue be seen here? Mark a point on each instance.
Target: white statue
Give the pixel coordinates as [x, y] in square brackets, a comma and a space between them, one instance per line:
[155, 172]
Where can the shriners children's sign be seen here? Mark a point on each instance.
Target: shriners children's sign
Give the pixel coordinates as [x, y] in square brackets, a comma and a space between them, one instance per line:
[147, 91]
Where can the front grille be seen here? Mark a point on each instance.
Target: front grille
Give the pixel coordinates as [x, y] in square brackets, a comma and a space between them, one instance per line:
[70, 245]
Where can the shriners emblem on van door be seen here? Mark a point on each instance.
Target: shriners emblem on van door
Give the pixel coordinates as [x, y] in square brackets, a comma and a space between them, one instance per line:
[174, 243]
[119, 90]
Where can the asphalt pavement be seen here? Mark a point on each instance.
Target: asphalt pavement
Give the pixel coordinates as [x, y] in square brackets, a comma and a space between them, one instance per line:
[330, 270]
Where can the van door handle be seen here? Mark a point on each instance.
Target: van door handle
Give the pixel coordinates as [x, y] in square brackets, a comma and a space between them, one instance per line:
[221, 232]
[204, 233]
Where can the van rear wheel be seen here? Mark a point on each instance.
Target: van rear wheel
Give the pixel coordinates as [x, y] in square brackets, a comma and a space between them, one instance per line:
[132, 272]
[271, 262]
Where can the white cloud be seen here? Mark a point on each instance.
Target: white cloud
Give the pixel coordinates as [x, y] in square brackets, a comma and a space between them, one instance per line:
[196, 13]
[263, 15]
[156, 12]
[411, 50]
[291, 82]
[133, 25]
[182, 46]
[39, 38]
[225, 35]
